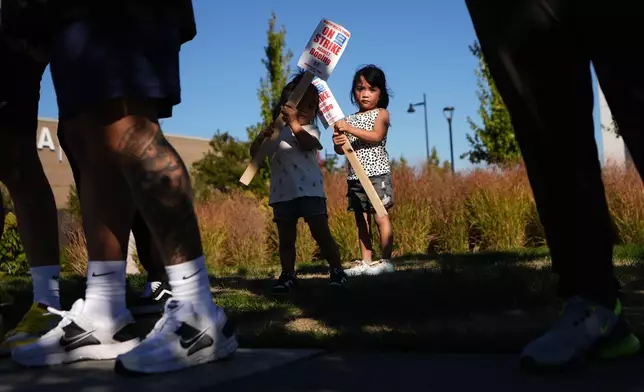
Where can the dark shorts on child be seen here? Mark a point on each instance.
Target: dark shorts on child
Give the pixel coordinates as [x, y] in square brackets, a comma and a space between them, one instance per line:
[302, 207]
[359, 201]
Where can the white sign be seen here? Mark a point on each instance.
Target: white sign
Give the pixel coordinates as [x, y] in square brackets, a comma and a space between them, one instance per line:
[324, 49]
[330, 110]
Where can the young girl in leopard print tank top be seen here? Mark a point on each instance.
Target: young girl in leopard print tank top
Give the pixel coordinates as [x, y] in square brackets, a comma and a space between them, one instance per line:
[366, 132]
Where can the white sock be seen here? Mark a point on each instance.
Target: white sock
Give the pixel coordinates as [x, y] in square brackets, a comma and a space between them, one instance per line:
[105, 293]
[189, 282]
[46, 285]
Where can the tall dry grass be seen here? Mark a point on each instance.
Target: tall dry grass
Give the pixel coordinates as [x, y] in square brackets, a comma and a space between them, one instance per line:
[435, 212]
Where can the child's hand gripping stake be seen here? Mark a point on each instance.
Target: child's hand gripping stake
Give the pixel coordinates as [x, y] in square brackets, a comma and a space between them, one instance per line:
[330, 113]
[318, 59]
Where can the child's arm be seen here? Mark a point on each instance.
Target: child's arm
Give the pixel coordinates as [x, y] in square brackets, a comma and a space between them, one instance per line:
[257, 143]
[306, 140]
[339, 139]
[378, 133]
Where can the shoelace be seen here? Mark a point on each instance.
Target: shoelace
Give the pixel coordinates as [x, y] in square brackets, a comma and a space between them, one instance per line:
[67, 317]
[167, 324]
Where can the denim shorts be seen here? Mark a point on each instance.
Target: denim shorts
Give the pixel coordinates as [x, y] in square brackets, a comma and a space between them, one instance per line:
[301, 207]
[359, 201]
[98, 59]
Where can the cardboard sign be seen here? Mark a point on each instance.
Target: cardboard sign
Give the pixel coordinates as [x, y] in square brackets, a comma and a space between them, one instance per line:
[322, 53]
[330, 112]
[330, 38]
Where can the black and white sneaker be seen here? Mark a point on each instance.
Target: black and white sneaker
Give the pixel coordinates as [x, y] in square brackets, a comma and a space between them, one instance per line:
[180, 339]
[338, 278]
[285, 284]
[79, 337]
[153, 299]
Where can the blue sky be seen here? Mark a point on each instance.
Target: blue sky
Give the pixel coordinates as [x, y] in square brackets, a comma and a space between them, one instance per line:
[422, 45]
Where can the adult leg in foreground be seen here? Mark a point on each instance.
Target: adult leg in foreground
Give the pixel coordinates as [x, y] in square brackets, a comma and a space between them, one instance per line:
[157, 290]
[23, 175]
[540, 62]
[126, 58]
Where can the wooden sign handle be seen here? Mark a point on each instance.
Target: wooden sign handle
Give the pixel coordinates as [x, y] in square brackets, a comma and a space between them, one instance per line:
[364, 180]
[278, 123]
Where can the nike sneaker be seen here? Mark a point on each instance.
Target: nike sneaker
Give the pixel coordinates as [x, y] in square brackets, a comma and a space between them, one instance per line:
[180, 339]
[79, 337]
[35, 323]
[584, 329]
[153, 299]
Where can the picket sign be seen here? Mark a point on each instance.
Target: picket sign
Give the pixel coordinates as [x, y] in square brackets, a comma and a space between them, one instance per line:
[321, 55]
[330, 112]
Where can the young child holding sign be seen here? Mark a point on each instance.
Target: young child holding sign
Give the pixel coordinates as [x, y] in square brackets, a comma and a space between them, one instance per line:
[366, 132]
[297, 185]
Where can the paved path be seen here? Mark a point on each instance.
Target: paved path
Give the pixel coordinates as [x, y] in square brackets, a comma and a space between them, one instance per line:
[375, 372]
[315, 371]
[100, 377]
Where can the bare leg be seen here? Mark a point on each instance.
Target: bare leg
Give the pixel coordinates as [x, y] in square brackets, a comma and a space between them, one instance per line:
[386, 236]
[363, 222]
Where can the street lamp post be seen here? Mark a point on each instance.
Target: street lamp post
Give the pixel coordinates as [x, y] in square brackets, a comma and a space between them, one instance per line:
[412, 110]
[448, 112]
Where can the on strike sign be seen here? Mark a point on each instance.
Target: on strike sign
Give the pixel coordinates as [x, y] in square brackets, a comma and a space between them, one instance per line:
[330, 111]
[324, 49]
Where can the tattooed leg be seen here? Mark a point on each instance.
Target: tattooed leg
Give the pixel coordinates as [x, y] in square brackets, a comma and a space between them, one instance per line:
[158, 181]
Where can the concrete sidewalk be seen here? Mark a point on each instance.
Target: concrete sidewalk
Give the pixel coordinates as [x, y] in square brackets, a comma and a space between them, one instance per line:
[100, 376]
[314, 371]
[375, 372]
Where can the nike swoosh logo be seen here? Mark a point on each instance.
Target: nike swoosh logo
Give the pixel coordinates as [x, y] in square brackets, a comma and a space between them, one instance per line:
[190, 276]
[97, 275]
[190, 342]
[64, 341]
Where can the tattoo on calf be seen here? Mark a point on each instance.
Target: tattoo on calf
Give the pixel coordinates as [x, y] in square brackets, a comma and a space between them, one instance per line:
[161, 187]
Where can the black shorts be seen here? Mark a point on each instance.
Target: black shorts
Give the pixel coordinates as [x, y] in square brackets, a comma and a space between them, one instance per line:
[99, 59]
[302, 207]
[20, 77]
[359, 201]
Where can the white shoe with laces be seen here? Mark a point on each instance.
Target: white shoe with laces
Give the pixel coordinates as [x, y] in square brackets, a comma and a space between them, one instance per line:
[79, 337]
[180, 339]
[370, 268]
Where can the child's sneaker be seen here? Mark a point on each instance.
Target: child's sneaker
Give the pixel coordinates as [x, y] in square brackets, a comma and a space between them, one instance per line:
[359, 267]
[182, 338]
[338, 278]
[285, 284]
[153, 299]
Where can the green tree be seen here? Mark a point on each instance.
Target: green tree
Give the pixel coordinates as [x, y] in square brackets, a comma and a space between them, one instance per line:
[613, 127]
[221, 167]
[277, 67]
[493, 141]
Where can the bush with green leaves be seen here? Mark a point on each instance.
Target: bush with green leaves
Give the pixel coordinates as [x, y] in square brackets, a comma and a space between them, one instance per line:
[13, 260]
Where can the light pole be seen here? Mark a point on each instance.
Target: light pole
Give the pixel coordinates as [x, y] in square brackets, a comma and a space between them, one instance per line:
[412, 110]
[448, 112]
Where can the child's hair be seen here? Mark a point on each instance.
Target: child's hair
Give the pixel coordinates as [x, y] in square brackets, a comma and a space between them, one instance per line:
[376, 78]
[288, 89]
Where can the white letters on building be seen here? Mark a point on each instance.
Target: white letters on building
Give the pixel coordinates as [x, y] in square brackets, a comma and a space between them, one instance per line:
[45, 140]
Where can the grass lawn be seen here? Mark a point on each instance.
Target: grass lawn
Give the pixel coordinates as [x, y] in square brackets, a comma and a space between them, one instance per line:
[492, 302]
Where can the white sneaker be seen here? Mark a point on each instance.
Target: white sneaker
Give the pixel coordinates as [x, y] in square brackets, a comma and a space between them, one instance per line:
[381, 267]
[78, 337]
[181, 339]
[370, 268]
[360, 268]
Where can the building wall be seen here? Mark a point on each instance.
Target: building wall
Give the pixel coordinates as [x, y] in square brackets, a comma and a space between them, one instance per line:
[57, 167]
